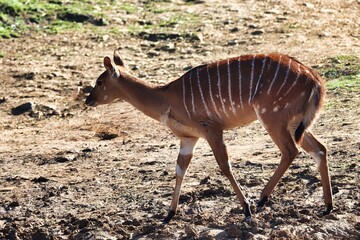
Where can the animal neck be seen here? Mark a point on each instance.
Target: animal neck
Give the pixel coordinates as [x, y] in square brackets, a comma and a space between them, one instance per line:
[146, 97]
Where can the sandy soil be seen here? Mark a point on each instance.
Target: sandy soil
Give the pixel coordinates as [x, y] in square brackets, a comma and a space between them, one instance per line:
[61, 177]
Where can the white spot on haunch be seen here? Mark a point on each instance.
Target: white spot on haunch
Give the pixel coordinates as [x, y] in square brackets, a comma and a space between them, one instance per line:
[263, 110]
[104, 88]
[302, 94]
[275, 109]
[164, 118]
[106, 97]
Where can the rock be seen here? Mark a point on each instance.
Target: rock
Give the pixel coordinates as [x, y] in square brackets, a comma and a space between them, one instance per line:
[234, 232]
[106, 136]
[40, 180]
[235, 29]
[27, 76]
[40, 235]
[205, 180]
[61, 159]
[191, 232]
[257, 32]
[22, 108]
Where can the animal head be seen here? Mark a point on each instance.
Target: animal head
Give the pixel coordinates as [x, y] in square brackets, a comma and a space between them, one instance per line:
[104, 91]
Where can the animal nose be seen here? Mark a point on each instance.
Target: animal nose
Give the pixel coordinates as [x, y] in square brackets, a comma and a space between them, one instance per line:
[89, 101]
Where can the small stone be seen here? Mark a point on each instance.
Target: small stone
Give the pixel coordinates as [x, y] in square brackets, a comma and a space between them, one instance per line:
[234, 232]
[257, 32]
[22, 108]
[235, 29]
[191, 231]
[40, 180]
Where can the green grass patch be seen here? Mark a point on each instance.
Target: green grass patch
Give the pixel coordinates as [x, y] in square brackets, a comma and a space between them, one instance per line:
[17, 16]
[129, 8]
[342, 72]
[343, 78]
[349, 83]
[343, 65]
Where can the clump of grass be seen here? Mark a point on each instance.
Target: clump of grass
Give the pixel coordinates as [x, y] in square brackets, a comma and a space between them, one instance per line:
[17, 16]
[342, 72]
[343, 77]
[343, 65]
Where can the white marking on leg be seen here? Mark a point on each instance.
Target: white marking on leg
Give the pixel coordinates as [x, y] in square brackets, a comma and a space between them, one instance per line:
[259, 118]
[192, 94]
[294, 83]
[210, 92]
[184, 96]
[317, 157]
[187, 146]
[276, 73]
[219, 86]
[251, 77]
[240, 97]
[179, 171]
[202, 95]
[229, 88]
[164, 118]
[286, 76]
[261, 73]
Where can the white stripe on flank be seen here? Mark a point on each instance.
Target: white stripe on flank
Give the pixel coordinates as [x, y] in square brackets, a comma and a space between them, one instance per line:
[276, 73]
[229, 88]
[201, 94]
[219, 86]
[251, 77]
[287, 75]
[261, 73]
[184, 97]
[192, 94]
[210, 91]
[240, 97]
[294, 83]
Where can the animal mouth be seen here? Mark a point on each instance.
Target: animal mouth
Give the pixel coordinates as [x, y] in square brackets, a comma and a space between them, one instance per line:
[90, 102]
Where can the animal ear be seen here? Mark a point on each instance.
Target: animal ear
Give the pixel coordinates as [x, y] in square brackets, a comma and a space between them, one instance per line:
[117, 59]
[114, 72]
[107, 64]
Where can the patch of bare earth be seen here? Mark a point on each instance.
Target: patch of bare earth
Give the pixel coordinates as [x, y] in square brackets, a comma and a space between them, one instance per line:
[72, 172]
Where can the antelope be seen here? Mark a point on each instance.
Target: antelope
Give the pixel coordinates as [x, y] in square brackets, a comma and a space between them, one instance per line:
[279, 91]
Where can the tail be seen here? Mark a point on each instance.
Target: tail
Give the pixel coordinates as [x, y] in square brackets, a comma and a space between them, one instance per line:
[312, 106]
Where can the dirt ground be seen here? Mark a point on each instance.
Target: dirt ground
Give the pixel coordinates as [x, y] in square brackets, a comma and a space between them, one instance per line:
[68, 171]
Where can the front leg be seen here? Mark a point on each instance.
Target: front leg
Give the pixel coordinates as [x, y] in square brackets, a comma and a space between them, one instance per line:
[186, 152]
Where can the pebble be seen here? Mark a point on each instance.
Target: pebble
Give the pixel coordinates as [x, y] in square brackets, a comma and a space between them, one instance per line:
[25, 107]
[257, 32]
[191, 232]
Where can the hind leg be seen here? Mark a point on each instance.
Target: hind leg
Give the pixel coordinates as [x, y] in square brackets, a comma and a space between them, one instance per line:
[282, 137]
[286, 144]
[311, 145]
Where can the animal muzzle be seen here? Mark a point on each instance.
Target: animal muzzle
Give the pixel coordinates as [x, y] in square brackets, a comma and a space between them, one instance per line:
[90, 101]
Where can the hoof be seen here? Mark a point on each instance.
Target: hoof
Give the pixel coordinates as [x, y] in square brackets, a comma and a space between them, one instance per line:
[248, 219]
[169, 216]
[262, 202]
[247, 210]
[328, 209]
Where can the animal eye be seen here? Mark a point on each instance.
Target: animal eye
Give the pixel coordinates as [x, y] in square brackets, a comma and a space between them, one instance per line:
[99, 83]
